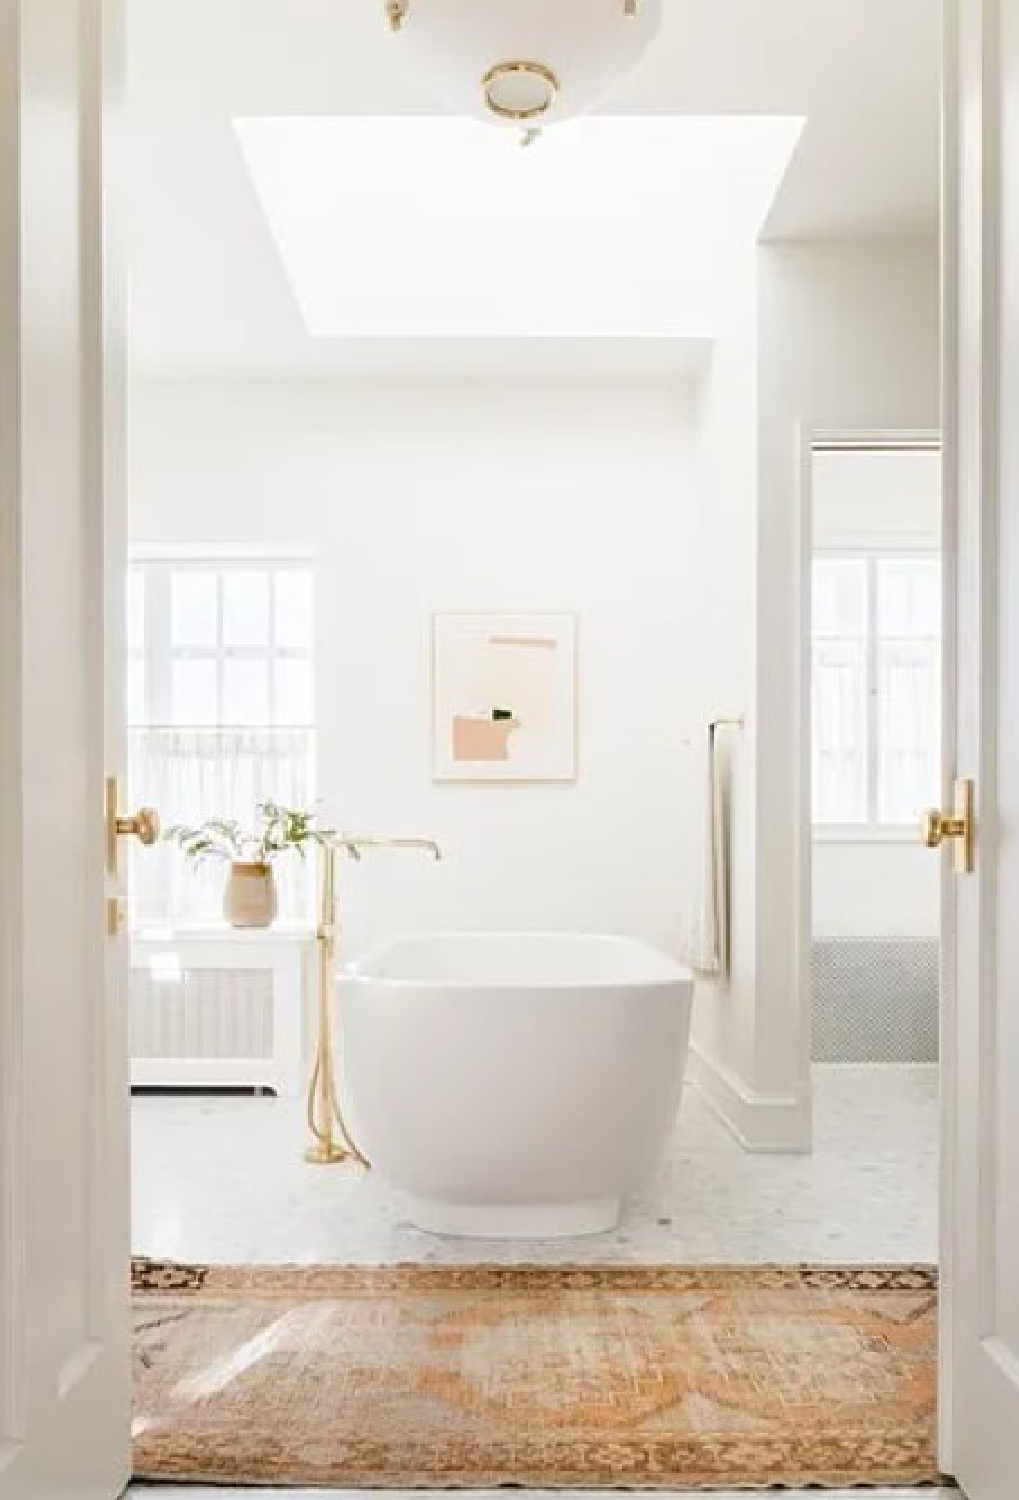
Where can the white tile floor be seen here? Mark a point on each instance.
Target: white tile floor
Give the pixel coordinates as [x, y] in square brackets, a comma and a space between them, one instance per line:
[224, 1180]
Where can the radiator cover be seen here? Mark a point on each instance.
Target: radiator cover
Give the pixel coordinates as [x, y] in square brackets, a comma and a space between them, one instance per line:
[211, 1009]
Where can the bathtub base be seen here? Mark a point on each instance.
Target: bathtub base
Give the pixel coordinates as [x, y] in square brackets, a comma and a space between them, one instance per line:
[516, 1221]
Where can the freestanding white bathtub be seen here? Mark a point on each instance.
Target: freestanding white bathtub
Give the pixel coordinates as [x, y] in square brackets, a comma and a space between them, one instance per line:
[514, 1084]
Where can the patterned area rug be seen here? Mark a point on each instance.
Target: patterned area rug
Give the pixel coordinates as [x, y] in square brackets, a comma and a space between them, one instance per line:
[644, 1377]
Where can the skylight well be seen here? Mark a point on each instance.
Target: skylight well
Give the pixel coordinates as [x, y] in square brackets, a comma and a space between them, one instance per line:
[434, 227]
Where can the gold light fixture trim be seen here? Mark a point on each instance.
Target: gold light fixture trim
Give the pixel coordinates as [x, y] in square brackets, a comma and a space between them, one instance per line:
[533, 71]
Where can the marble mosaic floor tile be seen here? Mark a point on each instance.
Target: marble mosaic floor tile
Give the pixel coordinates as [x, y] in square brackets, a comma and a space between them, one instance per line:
[224, 1180]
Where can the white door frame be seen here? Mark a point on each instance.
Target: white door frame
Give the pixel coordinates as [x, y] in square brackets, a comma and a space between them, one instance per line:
[980, 1351]
[13, 1422]
[64, 1242]
[12, 1097]
[810, 438]
[947, 1072]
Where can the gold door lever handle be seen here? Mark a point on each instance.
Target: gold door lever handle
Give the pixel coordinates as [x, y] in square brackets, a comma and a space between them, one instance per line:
[142, 825]
[957, 828]
[936, 827]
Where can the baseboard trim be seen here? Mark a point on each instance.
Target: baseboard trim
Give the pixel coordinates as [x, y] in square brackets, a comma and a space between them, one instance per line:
[777, 1123]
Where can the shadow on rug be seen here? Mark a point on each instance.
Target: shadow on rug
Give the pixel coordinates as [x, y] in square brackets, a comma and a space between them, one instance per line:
[570, 1377]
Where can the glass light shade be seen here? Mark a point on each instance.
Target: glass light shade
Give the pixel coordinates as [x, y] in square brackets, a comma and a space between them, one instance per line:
[542, 60]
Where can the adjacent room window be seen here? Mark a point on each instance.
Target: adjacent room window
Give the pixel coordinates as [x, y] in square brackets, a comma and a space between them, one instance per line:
[876, 689]
[221, 711]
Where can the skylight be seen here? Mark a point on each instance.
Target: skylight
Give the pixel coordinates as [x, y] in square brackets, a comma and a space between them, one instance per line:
[437, 227]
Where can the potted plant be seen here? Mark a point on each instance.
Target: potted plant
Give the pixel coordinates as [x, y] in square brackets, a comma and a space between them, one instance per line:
[249, 896]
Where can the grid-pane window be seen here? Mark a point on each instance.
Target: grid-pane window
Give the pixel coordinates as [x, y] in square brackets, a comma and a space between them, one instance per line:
[876, 689]
[225, 644]
[221, 712]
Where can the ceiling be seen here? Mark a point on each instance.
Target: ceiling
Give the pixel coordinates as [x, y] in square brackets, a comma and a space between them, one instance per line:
[209, 293]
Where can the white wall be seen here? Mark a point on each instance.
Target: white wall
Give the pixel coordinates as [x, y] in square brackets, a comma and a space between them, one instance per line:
[727, 583]
[415, 497]
[884, 497]
[875, 889]
[668, 522]
[837, 336]
[849, 339]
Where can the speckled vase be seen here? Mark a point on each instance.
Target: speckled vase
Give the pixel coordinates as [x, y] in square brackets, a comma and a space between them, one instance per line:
[249, 898]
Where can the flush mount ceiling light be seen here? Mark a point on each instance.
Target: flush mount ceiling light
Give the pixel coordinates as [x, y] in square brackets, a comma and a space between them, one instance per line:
[520, 91]
[529, 63]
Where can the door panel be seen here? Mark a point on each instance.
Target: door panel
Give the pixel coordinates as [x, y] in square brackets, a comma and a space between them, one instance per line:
[64, 1369]
[980, 1374]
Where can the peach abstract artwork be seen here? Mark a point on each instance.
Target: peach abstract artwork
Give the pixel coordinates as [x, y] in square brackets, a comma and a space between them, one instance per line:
[504, 697]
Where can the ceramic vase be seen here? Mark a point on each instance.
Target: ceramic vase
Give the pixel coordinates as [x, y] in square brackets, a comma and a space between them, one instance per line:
[249, 899]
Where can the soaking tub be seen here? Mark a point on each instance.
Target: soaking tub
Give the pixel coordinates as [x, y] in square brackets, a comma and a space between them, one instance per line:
[514, 1084]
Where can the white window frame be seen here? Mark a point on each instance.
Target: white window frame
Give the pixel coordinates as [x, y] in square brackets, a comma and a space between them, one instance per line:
[873, 831]
[158, 651]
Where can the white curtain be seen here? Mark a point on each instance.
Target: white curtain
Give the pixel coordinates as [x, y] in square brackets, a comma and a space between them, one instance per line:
[193, 774]
[876, 688]
[840, 732]
[909, 732]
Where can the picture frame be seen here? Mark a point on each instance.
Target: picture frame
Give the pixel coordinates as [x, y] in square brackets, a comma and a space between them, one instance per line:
[504, 696]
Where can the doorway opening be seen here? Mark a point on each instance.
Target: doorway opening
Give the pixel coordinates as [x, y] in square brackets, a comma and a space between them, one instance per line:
[339, 454]
[873, 678]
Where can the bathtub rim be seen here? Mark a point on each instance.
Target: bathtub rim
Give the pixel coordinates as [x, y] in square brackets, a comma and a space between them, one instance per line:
[358, 971]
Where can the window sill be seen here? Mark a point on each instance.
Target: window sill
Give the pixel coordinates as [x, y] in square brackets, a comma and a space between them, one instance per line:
[171, 932]
[906, 834]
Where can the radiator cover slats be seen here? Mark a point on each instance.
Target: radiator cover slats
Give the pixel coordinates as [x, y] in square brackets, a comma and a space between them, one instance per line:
[206, 1013]
[214, 1009]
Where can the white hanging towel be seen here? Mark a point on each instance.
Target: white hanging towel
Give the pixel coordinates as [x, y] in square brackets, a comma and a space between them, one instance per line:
[704, 942]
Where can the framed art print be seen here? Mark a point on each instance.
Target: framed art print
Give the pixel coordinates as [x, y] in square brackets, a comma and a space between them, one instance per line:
[504, 697]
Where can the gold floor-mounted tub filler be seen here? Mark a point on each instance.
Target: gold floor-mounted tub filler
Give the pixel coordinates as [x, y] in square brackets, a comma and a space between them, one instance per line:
[332, 1140]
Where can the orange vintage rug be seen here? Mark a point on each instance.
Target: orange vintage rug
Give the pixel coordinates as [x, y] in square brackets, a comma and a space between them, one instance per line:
[571, 1377]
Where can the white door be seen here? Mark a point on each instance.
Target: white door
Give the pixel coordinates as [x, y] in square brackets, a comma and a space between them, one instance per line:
[64, 1368]
[980, 1373]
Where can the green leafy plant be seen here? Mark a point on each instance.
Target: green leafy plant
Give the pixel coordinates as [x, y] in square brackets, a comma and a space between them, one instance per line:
[278, 830]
